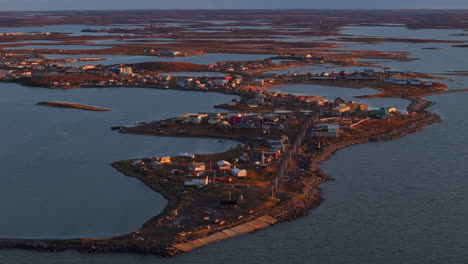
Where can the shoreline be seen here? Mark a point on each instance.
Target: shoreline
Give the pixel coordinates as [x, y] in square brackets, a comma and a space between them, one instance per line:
[297, 207]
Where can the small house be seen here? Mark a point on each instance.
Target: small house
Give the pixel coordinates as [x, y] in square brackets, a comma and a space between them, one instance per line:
[155, 165]
[197, 166]
[213, 120]
[238, 173]
[183, 118]
[341, 109]
[196, 118]
[223, 165]
[234, 118]
[196, 182]
[163, 159]
[325, 130]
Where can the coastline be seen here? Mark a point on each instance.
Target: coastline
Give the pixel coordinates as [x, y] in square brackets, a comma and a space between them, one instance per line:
[290, 210]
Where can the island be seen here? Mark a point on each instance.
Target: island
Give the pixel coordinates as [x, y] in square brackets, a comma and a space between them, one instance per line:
[72, 105]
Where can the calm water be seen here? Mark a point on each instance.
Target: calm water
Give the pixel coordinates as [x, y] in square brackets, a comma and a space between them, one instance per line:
[402, 201]
[56, 179]
[209, 58]
[62, 47]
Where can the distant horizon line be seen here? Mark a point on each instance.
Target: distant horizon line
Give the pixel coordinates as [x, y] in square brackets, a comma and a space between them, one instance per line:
[245, 9]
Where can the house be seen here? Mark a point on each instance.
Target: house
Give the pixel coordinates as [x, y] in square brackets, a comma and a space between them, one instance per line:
[196, 182]
[223, 165]
[244, 158]
[341, 109]
[156, 165]
[384, 112]
[325, 130]
[197, 166]
[196, 118]
[170, 53]
[303, 56]
[213, 120]
[357, 107]
[338, 101]
[238, 173]
[234, 118]
[277, 145]
[88, 67]
[183, 118]
[187, 155]
[163, 159]
[122, 70]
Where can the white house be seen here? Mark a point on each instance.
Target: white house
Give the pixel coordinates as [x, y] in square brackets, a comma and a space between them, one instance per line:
[196, 181]
[213, 120]
[196, 118]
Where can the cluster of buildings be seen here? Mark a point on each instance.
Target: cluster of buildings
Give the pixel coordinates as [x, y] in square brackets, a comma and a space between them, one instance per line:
[12, 68]
[233, 66]
[276, 120]
[402, 78]
[207, 82]
[20, 67]
[195, 174]
[166, 53]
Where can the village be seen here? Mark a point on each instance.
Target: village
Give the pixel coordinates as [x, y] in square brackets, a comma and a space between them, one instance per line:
[282, 137]
[231, 77]
[278, 149]
[271, 172]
